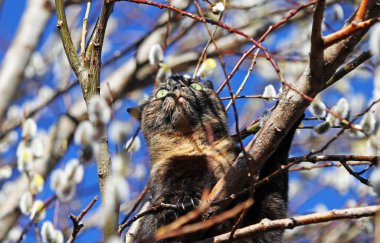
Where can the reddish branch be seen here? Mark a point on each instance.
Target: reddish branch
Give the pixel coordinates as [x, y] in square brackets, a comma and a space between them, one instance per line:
[78, 225]
[361, 11]
[356, 25]
[187, 229]
[183, 220]
[347, 31]
[153, 209]
[290, 223]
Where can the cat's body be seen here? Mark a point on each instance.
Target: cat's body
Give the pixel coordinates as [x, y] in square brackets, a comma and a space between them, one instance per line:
[185, 127]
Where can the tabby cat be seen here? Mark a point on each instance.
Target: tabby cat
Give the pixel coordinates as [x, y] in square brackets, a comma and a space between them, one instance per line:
[185, 127]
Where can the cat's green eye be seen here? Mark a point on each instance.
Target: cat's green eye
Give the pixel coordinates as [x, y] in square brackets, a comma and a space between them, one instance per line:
[162, 93]
[196, 86]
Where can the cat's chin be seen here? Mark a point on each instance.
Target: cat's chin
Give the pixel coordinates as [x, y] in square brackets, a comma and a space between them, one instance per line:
[181, 120]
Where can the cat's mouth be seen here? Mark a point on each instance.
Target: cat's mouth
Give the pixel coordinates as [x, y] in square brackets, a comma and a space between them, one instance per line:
[181, 100]
[178, 97]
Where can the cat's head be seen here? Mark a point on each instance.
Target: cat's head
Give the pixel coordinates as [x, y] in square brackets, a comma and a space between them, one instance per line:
[182, 104]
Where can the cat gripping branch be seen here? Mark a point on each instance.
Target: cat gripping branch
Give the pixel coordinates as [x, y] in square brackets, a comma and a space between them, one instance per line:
[185, 126]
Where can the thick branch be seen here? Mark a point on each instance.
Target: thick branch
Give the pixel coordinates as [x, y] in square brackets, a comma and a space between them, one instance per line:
[316, 50]
[16, 59]
[94, 51]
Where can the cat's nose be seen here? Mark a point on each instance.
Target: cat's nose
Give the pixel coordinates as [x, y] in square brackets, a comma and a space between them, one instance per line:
[178, 85]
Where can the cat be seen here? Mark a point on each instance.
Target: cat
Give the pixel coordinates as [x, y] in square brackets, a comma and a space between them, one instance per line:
[186, 130]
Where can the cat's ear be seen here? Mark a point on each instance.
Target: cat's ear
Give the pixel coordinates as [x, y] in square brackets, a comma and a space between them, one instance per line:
[135, 112]
[209, 84]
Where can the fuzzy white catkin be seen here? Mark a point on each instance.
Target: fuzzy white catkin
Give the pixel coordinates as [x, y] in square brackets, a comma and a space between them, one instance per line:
[120, 164]
[64, 182]
[58, 236]
[37, 183]
[264, 117]
[37, 147]
[338, 13]
[66, 191]
[74, 170]
[374, 178]
[156, 55]
[119, 131]
[374, 41]
[84, 133]
[38, 211]
[338, 179]
[49, 234]
[368, 123]
[24, 159]
[14, 234]
[321, 128]
[29, 128]
[26, 203]
[57, 179]
[318, 109]
[164, 72]
[14, 113]
[330, 117]
[117, 189]
[207, 68]
[139, 171]
[269, 92]
[343, 108]
[115, 239]
[218, 8]
[320, 207]
[98, 110]
[5, 172]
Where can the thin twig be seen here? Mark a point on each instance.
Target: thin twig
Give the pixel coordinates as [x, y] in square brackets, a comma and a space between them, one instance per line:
[241, 87]
[136, 204]
[329, 164]
[84, 29]
[346, 69]
[290, 223]
[78, 225]
[152, 210]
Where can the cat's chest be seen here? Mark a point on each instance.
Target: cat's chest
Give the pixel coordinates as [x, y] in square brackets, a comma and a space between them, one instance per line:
[183, 157]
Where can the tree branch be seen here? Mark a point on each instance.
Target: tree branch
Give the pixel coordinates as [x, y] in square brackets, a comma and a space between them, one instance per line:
[317, 50]
[290, 223]
[78, 225]
[17, 56]
[68, 44]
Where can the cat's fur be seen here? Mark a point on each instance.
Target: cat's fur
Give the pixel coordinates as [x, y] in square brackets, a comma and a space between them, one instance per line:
[190, 149]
